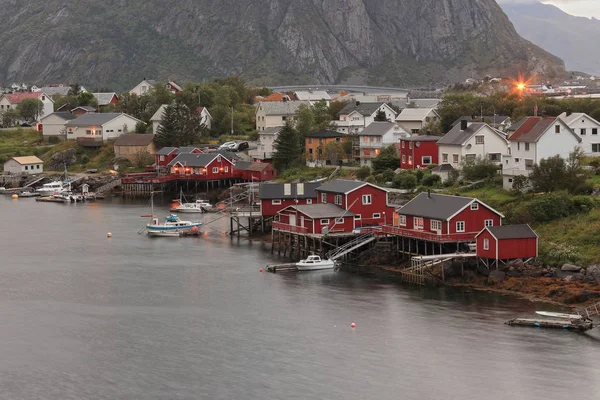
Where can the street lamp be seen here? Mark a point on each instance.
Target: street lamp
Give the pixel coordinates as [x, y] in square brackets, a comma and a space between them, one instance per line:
[384, 219]
[231, 120]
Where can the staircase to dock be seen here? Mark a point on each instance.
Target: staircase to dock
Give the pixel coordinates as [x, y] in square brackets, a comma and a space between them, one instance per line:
[352, 245]
[109, 186]
[33, 182]
[590, 311]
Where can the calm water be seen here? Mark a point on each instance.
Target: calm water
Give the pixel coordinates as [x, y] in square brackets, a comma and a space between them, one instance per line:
[86, 317]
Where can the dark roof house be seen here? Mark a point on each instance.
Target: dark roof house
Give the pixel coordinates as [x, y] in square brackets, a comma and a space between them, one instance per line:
[275, 191]
[522, 231]
[325, 134]
[531, 129]
[327, 210]
[462, 132]
[193, 160]
[134, 139]
[362, 108]
[437, 206]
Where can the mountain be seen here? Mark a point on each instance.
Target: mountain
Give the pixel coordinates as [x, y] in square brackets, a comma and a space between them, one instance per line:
[394, 42]
[569, 37]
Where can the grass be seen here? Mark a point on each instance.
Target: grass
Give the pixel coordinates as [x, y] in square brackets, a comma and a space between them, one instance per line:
[304, 174]
[21, 142]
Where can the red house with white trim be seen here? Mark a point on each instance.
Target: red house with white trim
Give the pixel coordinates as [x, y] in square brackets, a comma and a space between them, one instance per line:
[255, 171]
[274, 197]
[368, 202]
[201, 167]
[443, 218]
[507, 242]
[418, 151]
[315, 219]
[167, 154]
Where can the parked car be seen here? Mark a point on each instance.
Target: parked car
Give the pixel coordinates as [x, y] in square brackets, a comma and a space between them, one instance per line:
[227, 146]
[240, 146]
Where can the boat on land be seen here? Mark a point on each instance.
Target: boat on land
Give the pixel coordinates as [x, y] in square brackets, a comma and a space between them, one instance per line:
[558, 315]
[199, 206]
[314, 263]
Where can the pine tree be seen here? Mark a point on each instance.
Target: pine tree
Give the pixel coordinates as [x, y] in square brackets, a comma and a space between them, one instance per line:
[167, 130]
[287, 148]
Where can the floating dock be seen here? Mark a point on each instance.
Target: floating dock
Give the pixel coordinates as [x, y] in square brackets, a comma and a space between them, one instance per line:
[571, 325]
[282, 267]
[51, 200]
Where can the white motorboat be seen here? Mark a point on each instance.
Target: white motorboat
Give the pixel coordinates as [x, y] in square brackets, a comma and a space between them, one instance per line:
[552, 314]
[198, 206]
[314, 263]
[52, 188]
[164, 233]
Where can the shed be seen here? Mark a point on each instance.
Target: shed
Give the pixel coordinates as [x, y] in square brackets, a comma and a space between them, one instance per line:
[135, 147]
[24, 165]
[507, 242]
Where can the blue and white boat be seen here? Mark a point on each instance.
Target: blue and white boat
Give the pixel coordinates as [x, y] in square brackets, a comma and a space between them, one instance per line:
[173, 225]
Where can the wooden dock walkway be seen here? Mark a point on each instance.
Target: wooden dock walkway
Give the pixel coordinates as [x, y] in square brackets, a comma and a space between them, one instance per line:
[572, 325]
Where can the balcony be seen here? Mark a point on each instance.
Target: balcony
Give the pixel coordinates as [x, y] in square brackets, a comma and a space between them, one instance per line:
[280, 226]
[429, 236]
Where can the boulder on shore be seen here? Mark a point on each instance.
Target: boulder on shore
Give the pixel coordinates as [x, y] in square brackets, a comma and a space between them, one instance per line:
[496, 277]
[594, 272]
[570, 268]
[575, 277]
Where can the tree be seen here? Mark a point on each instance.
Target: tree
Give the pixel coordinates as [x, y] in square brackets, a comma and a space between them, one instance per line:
[141, 127]
[74, 90]
[380, 116]
[30, 109]
[549, 175]
[595, 114]
[575, 176]
[287, 148]
[305, 120]
[334, 151]
[520, 183]
[167, 130]
[405, 180]
[479, 168]
[322, 117]
[387, 159]
[10, 118]
[86, 99]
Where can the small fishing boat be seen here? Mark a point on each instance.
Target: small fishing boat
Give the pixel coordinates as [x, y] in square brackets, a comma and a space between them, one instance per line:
[52, 188]
[164, 233]
[27, 193]
[198, 206]
[171, 224]
[558, 315]
[314, 263]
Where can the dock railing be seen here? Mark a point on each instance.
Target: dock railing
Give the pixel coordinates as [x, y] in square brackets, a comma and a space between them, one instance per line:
[288, 228]
[429, 236]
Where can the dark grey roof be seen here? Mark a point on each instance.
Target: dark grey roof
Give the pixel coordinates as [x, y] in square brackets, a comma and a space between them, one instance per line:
[516, 125]
[94, 119]
[326, 210]
[435, 206]
[341, 186]
[165, 151]
[363, 108]
[443, 168]
[134, 139]
[193, 160]
[492, 120]
[227, 154]
[523, 231]
[422, 138]
[84, 108]
[275, 191]
[250, 166]
[270, 131]
[457, 137]
[325, 134]
[377, 128]
[63, 114]
[187, 150]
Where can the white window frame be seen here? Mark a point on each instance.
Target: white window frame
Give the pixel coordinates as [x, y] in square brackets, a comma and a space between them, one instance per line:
[479, 139]
[162, 158]
[358, 217]
[337, 200]
[489, 222]
[418, 223]
[376, 215]
[429, 162]
[324, 221]
[367, 199]
[402, 220]
[486, 244]
[308, 201]
[435, 225]
[339, 220]
[474, 206]
[276, 202]
[226, 168]
[445, 157]
[215, 170]
[462, 225]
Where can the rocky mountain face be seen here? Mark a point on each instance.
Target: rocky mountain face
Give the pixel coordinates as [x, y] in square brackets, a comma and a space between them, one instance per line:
[395, 42]
[565, 35]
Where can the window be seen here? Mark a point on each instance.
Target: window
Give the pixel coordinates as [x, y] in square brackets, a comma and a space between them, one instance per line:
[358, 217]
[410, 145]
[402, 220]
[594, 131]
[583, 131]
[595, 147]
[310, 151]
[445, 157]
[455, 158]
[495, 157]
[486, 244]
[284, 118]
[409, 160]
[470, 157]
[403, 159]
[226, 169]
[479, 139]
[413, 131]
[162, 158]
[435, 225]
[323, 198]
[526, 146]
[276, 202]
[119, 130]
[43, 98]
[376, 215]
[310, 140]
[427, 119]
[517, 160]
[475, 206]
[215, 170]
[37, 166]
[418, 222]
[338, 199]
[324, 221]
[489, 222]
[510, 180]
[88, 132]
[426, 160]
[26, 168]
[556, 128]
[460, 226]
[528, 165]
[308, 201]
[518, 146]
[403, 144]
[366, 199]
[339, 220]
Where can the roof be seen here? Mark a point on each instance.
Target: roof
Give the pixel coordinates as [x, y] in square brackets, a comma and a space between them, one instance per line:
[250, 166]
[313, 95]
[52, 90]
[420, 103]
[443, 168]
[343, 186]
[492, 120]
[523, 231]
[325, 134]
[276, 191]
[281, 108]
[422, 138]
[18, 97]
[175, 85]
[104, 99]
[326, 210]
[158, 115]
[456, 136]
[134, 139]
[573, 117]
[362, 108]
[194, 160]
[277, 96]
[96, 119]
[84, 108]
[64, 115]
[378, 128]
[165, 151]
[26, 160]
[437, 206]
[533, 128]
[414, 114]
[187, 150]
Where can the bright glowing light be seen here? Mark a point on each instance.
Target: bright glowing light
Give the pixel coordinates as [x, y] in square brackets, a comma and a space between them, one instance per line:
[521, 86]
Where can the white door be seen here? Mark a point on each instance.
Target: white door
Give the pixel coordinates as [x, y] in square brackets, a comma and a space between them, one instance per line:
[293, 220]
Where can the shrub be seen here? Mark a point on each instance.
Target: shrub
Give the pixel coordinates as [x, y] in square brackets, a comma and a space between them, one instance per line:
[419, 174]
[479, 168]
[387, 175]
[431, 180]
[405, 180]
[363, 172]
[53, 140]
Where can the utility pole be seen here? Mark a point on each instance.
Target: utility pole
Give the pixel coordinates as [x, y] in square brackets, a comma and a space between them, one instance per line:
[232, 120]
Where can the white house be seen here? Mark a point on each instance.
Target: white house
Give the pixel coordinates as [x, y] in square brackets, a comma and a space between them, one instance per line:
[536, 138]
[265, 149]
[377, 136]
[313, 96]
[28, 165]
[356, 116]
[12, 101]
[586, 128]
[415, 119]
[471, 140]
[143, 87]
[92, 129]
[54, 124]
[205, 117]
[274, 114]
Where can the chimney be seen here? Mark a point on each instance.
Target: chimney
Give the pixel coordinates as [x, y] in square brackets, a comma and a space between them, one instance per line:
[357, 103]
[428, 194]
[463, 124]
[428, 133]
[569, 112]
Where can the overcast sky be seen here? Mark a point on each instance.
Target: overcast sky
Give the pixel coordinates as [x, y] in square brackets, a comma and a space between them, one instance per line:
[582, 8]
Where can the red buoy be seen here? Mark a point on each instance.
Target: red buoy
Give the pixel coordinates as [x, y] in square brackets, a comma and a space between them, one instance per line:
[260, 270]
[353, 325]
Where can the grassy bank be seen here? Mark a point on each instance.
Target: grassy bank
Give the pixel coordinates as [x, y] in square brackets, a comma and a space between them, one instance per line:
[21, 142]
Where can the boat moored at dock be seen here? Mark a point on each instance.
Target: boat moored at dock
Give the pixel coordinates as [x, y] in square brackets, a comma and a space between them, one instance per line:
[314, 263]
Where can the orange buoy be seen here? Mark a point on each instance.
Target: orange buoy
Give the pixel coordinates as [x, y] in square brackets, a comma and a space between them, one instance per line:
[109, 235]
[353, 325]
[15, 196]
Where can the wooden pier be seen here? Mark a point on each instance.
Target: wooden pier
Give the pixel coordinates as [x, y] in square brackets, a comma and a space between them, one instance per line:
[571, 325]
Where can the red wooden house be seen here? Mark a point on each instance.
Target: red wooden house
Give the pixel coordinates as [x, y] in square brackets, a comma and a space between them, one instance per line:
[274, 197]
[315, 219]
[443, 218]
[204, 167]
[167, 154]
[507, 243]
[418, 151]
[368, 202]
[255, 171]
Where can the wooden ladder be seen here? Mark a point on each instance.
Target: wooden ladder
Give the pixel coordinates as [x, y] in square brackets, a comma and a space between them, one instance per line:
[589, 311]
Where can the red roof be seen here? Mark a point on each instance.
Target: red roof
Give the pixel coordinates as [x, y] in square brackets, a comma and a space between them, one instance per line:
[532, 129]
[20, 96]
[277, 96]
